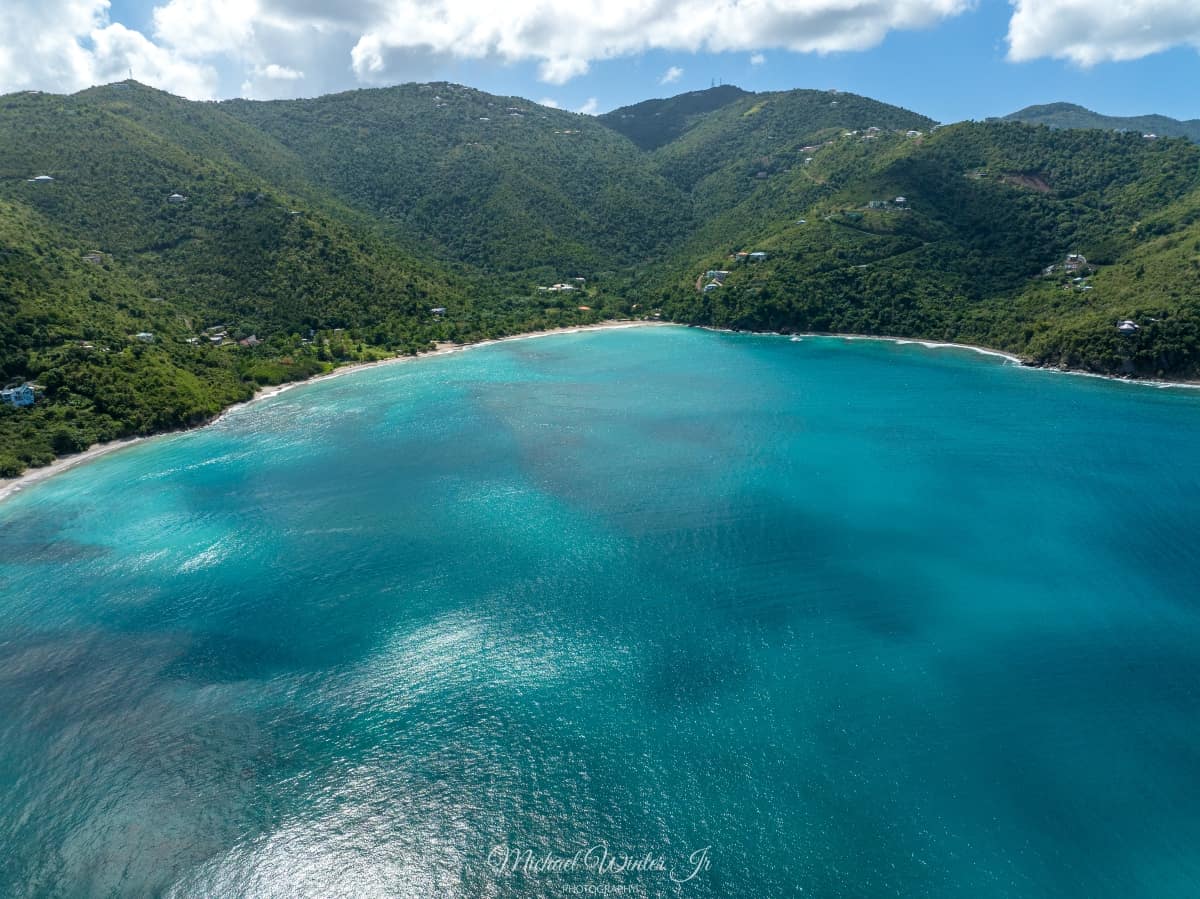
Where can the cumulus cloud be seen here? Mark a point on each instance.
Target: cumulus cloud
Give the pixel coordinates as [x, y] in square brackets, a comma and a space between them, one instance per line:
[671, 75]
[565, 36]
[550, 103]
[1087, 34]
[204, 48]
[71, 44]
[278, 72]
[590, 106]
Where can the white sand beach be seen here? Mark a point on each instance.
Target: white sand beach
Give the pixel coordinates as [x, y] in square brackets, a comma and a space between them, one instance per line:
[11, 486]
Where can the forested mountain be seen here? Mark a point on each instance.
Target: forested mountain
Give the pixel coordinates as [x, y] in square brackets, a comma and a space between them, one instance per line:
[986, 210]
[175, 254]
[498, 182]
[1068, 115]
[652, 123]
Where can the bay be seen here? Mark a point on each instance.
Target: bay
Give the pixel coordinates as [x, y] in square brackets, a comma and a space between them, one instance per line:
[817, 617]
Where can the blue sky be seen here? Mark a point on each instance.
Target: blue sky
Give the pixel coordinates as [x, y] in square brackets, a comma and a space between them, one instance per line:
[950, 59]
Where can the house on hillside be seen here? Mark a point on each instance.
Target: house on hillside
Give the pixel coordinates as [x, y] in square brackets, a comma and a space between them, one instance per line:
[144, 337]
[1128, 328]
[711, 286]
[1075, 262]
[19, 396]
[177, 198]
[715, 274]
[912, 134]
[40, 179]
[758, 256]
[94, 258]
[740, 256]
[251, 341]
[438, 310]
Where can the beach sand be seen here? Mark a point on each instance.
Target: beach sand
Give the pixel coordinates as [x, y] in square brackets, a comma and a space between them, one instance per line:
[11, 486]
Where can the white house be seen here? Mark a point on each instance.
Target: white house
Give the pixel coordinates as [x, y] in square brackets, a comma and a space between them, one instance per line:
[177, 198]
[40, 179]
[144, 336]
[1127, 327]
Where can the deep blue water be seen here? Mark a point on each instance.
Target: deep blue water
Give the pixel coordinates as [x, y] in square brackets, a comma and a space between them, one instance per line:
[864, 619]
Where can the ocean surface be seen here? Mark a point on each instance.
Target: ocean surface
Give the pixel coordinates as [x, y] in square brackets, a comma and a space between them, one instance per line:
[823, 618]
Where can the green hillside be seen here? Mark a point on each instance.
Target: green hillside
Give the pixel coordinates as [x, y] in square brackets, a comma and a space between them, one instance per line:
[497, 182]
[652, 123]
[1068, 115]
[255, 250]
[987, 208]
[310, 232]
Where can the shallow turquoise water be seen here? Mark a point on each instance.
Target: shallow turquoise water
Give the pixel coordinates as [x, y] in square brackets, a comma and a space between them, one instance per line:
[864, 619]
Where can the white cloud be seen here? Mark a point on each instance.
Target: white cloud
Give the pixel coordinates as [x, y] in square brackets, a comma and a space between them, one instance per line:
[589, 107]
[549, 103]
[204, 48]
[1087, 33]
[70, 44]
[278, 73]
[565, 36]
[561, 69]
[671, 75]
[117, 51]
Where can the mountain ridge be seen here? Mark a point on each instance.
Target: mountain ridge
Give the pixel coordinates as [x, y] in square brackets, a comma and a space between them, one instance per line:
[1071, 115]
[184, 253]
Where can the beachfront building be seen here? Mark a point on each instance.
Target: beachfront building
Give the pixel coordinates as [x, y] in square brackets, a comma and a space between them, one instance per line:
[19, 396]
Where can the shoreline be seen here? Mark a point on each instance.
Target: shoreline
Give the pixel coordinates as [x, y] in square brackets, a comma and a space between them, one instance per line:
[1156, 383]
[11, 486]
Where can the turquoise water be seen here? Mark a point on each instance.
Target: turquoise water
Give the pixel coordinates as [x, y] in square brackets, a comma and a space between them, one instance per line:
[863, 619]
